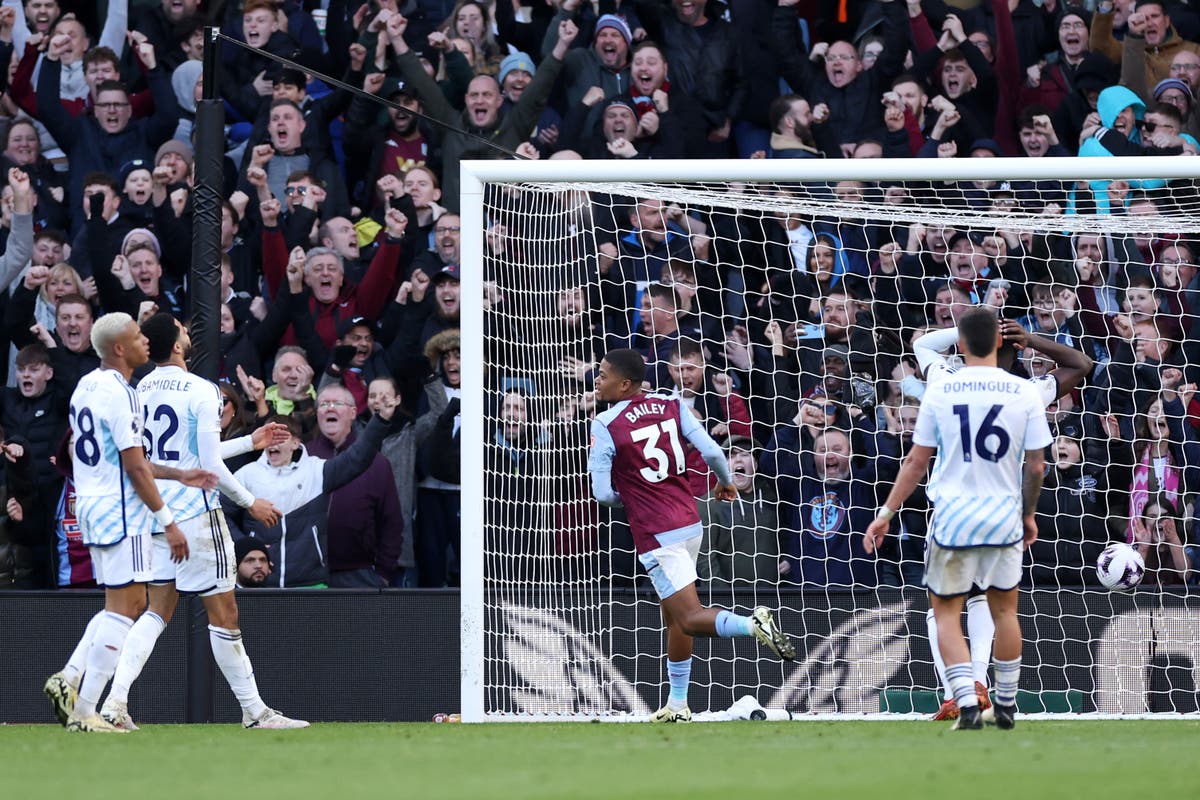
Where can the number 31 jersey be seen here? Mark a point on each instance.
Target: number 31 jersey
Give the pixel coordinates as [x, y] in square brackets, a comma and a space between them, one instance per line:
[641, 441]
[179, 406]
[105, 418]
[981, 420]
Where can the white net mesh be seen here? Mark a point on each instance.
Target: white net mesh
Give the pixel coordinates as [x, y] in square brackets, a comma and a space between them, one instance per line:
[785, 314]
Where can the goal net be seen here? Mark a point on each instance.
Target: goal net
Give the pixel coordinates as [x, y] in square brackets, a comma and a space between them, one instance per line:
[782, 300]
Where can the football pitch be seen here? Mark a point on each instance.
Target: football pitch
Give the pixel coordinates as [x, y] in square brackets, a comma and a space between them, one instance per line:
[730, 761]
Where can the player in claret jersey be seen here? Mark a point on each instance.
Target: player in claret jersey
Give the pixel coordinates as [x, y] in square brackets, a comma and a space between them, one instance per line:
[637, 461]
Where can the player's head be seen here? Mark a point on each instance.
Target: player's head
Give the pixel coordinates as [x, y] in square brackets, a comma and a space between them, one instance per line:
[165, 335]
[119, 341]
[979, 331]
[620, 375]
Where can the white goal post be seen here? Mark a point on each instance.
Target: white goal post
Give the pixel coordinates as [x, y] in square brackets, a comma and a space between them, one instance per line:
[546, 634]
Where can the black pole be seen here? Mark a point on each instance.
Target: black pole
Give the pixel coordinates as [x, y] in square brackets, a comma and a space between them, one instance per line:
[205, 281]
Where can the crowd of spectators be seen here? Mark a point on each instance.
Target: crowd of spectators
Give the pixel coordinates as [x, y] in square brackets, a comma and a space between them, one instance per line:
[790, 335]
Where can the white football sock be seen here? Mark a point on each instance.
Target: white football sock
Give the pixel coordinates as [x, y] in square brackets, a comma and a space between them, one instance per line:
[102, 659]
[1008, 676]
[938, 663]
[235, 666]
[981, 630]
[139, 644]
[73, 671]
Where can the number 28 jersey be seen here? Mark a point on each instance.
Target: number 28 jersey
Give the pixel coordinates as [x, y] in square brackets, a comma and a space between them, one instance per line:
[641, 441]
[179, 406]
[981, 420]
[105, 418]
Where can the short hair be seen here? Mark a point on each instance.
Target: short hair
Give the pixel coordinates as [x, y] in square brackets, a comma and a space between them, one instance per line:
[258, 5]
[162, 333]
[662, 291]
[32, 354]
[909, 77]
[107, 330]
[53, 234]
[283, 101]
[74, 299]
[112, 86]
[336, 387]
[143, 246]
[305, 175]
[290, 77]
[978, 327]
[99, 54]
[953, 57]
[627, 363]
[289, 422]
[323, 251]
[779, 108]
[1167, 110]
[101, 179]
[686, 348]
[291, 348]
[645, 44]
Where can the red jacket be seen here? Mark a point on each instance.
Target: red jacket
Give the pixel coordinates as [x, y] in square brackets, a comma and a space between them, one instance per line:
[366, 299]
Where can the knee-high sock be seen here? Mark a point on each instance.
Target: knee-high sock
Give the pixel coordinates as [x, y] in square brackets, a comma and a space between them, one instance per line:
[73, 671]
[981, 631]
[139, 644]
[938, 663]
[102, 659]
[235, 665]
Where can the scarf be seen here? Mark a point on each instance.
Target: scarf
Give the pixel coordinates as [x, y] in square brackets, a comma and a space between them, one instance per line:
[1139, 490]
[644, 103]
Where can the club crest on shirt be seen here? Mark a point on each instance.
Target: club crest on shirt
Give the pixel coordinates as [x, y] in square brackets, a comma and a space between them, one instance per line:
[826, 516]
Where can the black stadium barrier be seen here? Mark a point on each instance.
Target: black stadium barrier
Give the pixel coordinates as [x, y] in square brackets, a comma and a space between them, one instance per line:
[339, 655]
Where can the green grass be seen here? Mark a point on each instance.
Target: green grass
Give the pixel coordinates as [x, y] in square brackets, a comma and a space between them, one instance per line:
[731, 761]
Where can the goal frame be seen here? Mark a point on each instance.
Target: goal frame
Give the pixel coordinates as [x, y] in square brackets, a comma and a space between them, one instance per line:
[474, 175]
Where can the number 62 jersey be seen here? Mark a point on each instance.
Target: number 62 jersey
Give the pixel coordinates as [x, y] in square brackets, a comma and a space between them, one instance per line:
[640, 440]
[106, 418]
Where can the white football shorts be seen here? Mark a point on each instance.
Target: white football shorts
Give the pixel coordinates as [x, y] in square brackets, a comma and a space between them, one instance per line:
[209, 568]
[672, 567]
[126, 562]
[950, 572]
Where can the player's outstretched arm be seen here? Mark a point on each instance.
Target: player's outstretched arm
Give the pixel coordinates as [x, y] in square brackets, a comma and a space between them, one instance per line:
[208, 443]
[141, 474]
[914, 468]
[199, 478]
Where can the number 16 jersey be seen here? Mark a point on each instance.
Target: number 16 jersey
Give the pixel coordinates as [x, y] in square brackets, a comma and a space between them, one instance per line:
[641, 441]
[981, 420]
[106, 418]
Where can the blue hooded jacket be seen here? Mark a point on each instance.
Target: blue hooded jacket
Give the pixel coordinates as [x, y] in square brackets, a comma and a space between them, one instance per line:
[1110, 104]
